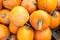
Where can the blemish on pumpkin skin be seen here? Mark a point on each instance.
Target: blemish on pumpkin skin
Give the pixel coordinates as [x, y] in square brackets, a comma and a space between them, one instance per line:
[3, 15]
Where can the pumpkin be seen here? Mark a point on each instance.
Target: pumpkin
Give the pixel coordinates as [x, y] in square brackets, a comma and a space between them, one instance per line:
[4, 19]
[10, 4]
[19, 15]
[40, 20]
[30, 5]
[4, 31]
[47, 5]
[43, 35]
[25, 33]
[54, 20]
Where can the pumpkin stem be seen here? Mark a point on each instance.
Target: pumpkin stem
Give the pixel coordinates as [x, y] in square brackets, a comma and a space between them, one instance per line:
[3, 15]
[54, 14]
[40, 22]
[35, 3]
[28, 25]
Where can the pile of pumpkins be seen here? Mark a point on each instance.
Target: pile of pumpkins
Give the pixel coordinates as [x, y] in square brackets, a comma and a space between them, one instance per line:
[28, 19]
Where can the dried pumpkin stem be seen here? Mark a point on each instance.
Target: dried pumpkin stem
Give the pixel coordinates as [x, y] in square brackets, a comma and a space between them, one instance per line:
[3, 15]
[35, 3]
[40, 22]
[28, 25]
[54, 14]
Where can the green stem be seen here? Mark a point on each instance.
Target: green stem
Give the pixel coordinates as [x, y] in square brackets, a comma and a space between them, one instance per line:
[40, 22]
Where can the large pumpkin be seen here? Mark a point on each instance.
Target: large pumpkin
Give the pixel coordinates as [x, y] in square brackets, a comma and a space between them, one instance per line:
[47, 5]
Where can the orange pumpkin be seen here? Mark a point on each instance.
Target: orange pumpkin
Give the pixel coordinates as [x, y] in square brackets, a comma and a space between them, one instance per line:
[30, 5]
[40, 20]
[54, 20]
[13, 28]
[4, 32]
[10, 4]
[4, 13]
[25, 33]
[0, 4]
[19, 15]
[43, 35]
[47, 5]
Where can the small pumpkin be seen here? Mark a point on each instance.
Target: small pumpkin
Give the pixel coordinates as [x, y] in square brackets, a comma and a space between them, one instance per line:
[43, 35]
[4, 19]
[25, 33]
[19, 16]
[54, 20]
[47, 5]
[10, 4]
[30, 5]
[40, 20]
[4, 31]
